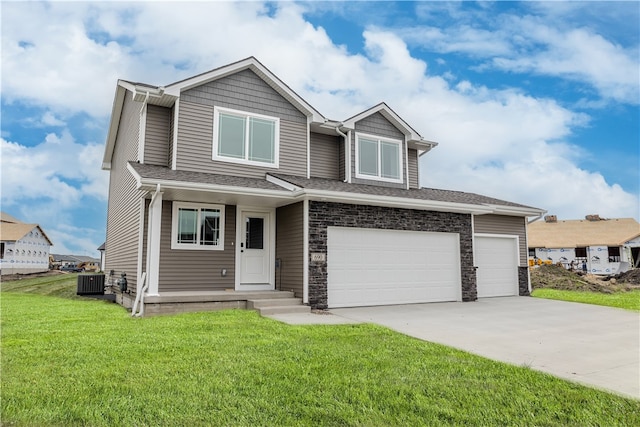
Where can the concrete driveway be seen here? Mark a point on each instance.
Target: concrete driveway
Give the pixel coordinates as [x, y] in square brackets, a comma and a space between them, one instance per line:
[598, 346]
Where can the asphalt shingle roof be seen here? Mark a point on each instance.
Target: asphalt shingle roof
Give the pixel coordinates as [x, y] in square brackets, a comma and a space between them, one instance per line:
[418, 194]
[164, 173]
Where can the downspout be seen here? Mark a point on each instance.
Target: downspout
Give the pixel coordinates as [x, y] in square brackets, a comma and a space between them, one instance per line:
[308, 147]
[143, 284]
[346, 148]
[142, 130]
[349, 157]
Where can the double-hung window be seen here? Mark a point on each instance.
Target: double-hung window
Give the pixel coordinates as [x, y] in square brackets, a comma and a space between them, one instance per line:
[378, 158]
[197, 226]
[247, 138]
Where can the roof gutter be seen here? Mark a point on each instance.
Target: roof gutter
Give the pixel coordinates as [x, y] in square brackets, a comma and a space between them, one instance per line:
[347, 152]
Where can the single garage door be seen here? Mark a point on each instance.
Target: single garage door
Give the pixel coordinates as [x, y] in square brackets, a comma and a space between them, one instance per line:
[497, 262]
[368, 267]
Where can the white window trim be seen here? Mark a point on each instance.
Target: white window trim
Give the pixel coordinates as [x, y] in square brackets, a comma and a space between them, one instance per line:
[216, 156]
[379, 139]
[195, 246]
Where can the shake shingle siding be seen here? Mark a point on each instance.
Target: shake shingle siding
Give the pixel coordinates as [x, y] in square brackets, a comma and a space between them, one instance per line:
[124, 206]
[508, 225]
[195, 145]
[376, 124]
[325, 156]
[289, 248]
[244, 91]
[156, 145]
[195, 270]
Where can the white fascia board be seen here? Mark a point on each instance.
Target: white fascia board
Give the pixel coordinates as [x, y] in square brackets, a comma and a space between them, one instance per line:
[396, 202]
[136, 176]
[515, 210]
[215, 188]
[282, 183]
[114, 124]
[390, 115]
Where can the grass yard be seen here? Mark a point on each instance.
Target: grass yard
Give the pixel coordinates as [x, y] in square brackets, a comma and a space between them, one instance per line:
[628, 300]
[69, 362]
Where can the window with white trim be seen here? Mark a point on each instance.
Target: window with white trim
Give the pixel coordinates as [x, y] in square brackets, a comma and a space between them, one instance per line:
[246, 138]
[197, 226]
[378, 158]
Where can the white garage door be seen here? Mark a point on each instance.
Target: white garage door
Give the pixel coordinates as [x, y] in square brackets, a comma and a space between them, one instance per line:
[380, 267]
[497, 262]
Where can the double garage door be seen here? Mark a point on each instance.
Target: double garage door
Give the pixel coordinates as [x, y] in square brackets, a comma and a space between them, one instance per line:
[368, 267]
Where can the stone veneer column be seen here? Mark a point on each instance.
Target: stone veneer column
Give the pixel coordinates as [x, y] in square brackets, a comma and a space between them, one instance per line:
[325, 214]
[523, 281]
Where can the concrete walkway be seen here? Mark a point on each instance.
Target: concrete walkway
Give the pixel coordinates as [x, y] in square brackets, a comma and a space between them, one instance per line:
[597, 346]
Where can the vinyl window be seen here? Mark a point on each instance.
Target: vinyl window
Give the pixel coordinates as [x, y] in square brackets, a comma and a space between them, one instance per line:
[197, 226]
[247, 138]
[378, 158]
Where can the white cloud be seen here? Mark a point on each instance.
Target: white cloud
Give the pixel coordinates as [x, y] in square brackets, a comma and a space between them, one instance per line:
[58, 169]
[530, 44]
[502, 143]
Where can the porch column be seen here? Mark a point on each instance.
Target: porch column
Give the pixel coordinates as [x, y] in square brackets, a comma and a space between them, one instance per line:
[153, 243]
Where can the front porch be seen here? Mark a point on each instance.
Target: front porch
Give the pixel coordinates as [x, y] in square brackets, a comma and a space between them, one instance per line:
[190, 301]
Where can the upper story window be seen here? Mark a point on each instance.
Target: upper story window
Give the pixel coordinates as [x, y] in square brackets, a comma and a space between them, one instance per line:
[378, 158]
[246, 138]
[197, 226]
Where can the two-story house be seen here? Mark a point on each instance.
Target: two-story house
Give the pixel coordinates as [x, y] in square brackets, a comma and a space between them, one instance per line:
[229, 184]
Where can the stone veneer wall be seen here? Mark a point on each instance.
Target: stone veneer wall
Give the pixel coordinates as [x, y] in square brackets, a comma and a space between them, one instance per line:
[325, 214]
[523, 281]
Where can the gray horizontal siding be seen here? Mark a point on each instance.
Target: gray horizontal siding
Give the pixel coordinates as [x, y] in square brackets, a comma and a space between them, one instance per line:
[195, 145]
[325, 156]
[376, 124]
[289, 248]
[501, 224]
[413, 168]
[189, 270]
[121, 251]
[156, 145]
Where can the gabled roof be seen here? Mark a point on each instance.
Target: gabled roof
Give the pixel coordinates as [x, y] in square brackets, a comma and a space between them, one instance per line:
[11, 232]
[582, 233]
[412, 135]
[5, 217]
[167, 95]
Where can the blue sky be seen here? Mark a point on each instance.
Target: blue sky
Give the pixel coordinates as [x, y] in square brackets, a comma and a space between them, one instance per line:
[532, 102]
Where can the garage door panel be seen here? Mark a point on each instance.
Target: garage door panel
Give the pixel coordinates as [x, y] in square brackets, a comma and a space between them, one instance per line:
[497, 262]
[378, 267]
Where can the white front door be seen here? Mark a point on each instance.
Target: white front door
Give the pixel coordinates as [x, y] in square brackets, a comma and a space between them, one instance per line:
[254, 251]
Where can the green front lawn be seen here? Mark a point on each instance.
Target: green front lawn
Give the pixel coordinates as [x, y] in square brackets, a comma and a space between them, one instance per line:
[84, 362]
[628, 300]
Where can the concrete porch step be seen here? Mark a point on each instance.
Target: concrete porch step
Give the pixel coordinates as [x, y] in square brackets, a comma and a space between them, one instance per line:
[272, 302]
[266, 311]
[278, 306]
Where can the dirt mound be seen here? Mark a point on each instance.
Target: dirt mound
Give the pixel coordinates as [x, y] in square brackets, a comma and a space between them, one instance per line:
[11, 277]
[557, 277]
[632, 277]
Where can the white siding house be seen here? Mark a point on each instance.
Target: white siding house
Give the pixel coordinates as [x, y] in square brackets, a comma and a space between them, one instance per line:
[594, 245]
[24, 248]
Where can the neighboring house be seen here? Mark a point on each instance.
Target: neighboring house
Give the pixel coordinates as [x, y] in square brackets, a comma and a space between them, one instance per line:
[595, 245]
[81, 261]
[24, 248]
[230, 181]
